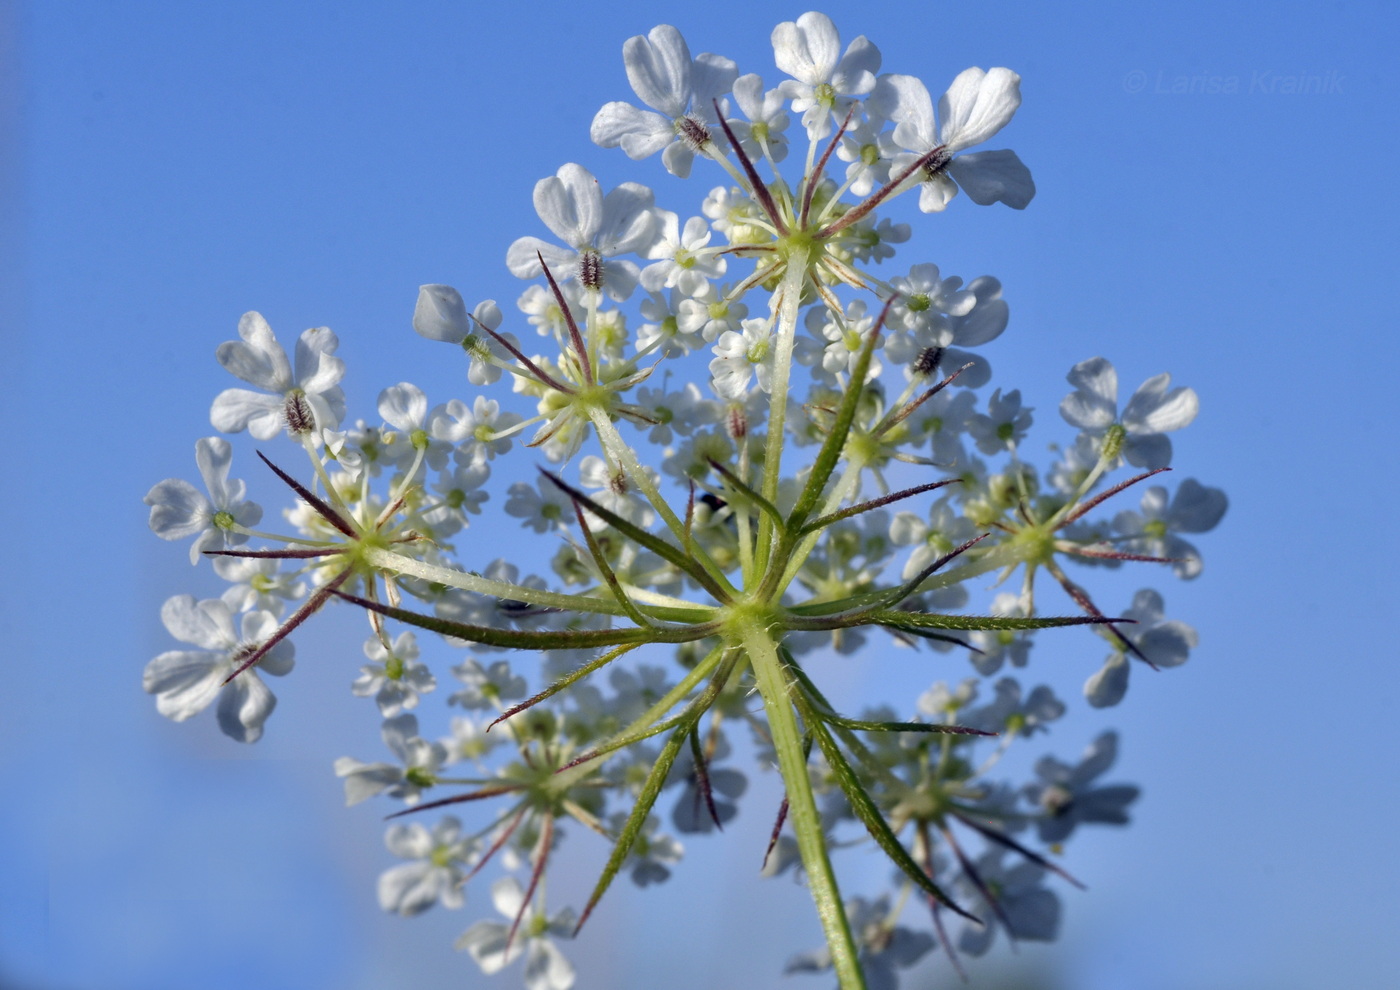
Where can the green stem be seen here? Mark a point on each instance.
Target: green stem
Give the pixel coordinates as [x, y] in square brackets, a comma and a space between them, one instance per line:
[399, 564]
[806, 820]
[794, 277]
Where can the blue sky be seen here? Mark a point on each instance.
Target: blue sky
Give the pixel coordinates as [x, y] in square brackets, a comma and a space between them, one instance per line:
[173, 165]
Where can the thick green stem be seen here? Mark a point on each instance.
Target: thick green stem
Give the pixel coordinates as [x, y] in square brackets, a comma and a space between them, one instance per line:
[774, 685]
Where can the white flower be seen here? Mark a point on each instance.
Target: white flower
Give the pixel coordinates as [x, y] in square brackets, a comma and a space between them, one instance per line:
[1194, 509]
[977, 105]
[739, 355]
[1066, 797]
[821, 86]
[490, 944]
[186, 682]
[767, 118]
[419, 762]
[257, 583]
[179, 510]
[1165, 642]
[685, 263]
[438, 870]
[664, 76]
[441, 314]
[394, 677]
[595, 228]
[1003, 425]
[308, 400]
[1151, 412]
[485, 687]
[1024, 907]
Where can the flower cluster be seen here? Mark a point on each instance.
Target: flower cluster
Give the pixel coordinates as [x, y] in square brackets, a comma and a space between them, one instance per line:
[758, 441]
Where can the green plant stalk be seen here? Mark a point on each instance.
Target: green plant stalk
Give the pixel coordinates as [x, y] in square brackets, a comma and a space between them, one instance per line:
[802, 805]
[794, 277]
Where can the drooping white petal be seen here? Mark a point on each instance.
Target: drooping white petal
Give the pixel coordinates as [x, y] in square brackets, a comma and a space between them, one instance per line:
[441, 314]
[994, 177]
[1197, 508]
[409, 888]
[546, 968]
[1147, 450]
[244, 706]
[1109, 684]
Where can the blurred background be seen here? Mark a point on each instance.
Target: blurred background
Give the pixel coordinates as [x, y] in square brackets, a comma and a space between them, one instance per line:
[1216, 198]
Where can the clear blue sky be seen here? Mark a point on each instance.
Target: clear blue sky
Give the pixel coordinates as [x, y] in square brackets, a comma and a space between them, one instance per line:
[168, 166]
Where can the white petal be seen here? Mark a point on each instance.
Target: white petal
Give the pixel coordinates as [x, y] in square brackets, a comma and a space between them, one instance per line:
[409, 889]
[855, 73]
[1147, 450]
[237, 409]
[977, 105]
[808, 49]
[1196, 508]
[244, 706]
[208, 623]
[1153, 409]
[627, 224]
[906, 101]
[440, 314]
[316, 366]
[178, 509]
[404, 406]
[658, 67]
[546, 968]
[184, 682]
[1108, 686]
[570, 204]
[994, 177]
[638, 132]
[1093, 405]
[258, 359]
